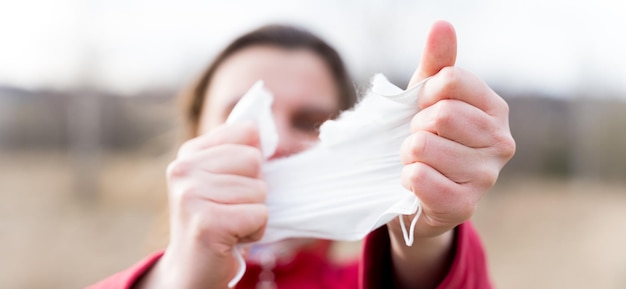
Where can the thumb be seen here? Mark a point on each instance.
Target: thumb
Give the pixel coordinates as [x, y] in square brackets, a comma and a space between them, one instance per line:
[439, 51]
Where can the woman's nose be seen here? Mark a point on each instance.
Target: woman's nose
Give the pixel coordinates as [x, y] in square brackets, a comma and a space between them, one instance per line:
[289, 140]
[287, 145]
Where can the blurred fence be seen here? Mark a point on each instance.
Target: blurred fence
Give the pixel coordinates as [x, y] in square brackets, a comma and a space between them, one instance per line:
[555, 137]
[59, 120]
[581, 138]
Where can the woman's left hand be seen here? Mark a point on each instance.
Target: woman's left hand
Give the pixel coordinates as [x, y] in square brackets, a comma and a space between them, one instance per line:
[460, 140]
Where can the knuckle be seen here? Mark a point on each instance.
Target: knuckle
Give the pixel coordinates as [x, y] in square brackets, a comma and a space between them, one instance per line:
[444, 115]
[485, 175]
[406, 151]
[248, 128]
[186, 147]
[263, 215]
[189, 192]
[184, 196]
[253, 157]
[505, 145]
[259, 219]
[177, 168]
[218, 136]
[262, 218]
[450, 76]
[487, 180]
[419, 144]
[509, 147]
[416, 121]
[506, 109]
[415, 174]
[249, 131]
[500, 106]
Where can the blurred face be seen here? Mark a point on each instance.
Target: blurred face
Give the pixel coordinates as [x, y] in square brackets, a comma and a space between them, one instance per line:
[305, 93]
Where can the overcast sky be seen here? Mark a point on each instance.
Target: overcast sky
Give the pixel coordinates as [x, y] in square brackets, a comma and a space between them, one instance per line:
[563, 48]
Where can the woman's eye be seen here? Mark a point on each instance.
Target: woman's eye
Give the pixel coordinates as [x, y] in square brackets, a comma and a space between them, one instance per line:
[307, 125]
[310, 123]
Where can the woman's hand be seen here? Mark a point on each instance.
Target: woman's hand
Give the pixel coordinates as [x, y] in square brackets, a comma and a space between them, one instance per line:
[216, 200]
[460, 140]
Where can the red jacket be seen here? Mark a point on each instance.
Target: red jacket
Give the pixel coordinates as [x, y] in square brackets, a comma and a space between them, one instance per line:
[313, 271]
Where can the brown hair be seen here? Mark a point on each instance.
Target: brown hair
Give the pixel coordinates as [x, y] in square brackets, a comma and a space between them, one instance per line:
[281, 36]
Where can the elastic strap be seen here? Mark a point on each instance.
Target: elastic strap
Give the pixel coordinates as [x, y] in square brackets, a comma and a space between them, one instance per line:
[241, 270]
[408, 237]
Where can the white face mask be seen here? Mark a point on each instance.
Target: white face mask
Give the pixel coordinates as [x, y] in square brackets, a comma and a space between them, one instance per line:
[349, 183]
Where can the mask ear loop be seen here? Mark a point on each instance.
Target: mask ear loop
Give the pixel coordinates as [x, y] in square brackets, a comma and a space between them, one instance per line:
[241, 270]
[408, 237]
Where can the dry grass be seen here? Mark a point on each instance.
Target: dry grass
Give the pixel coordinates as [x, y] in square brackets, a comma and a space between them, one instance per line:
[52, 237]
[555, 234]
[538, 233]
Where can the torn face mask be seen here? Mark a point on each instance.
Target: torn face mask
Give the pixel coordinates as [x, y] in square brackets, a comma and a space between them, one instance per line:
[349, 183]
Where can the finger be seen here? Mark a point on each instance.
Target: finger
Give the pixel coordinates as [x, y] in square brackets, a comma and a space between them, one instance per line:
[246, 222]
[228, 189]
[457, 121]
[439, 51]
[245, 133]
[225, 159]
[461, 164]
[456, 83]
[443, 201]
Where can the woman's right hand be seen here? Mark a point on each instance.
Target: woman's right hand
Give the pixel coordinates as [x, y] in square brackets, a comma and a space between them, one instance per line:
[216, 200]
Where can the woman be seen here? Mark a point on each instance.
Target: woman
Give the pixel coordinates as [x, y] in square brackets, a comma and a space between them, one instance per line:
[460, 140]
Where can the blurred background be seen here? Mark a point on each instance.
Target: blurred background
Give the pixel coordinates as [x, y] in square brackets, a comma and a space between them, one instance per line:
[88, 123]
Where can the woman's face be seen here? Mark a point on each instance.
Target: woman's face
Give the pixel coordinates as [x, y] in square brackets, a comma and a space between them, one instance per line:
[305, 93]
